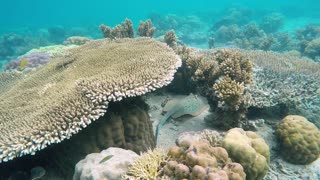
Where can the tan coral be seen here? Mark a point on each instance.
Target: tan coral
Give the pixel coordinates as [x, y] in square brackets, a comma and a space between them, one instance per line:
[65, 96]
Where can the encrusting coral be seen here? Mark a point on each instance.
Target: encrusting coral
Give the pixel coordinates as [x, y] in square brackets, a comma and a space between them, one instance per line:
[60, 99]
[248, 149]
[146, 29]
[299, 140]
[124, 30]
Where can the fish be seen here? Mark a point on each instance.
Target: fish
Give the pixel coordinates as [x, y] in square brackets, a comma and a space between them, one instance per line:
[105, 159]
[23, 63]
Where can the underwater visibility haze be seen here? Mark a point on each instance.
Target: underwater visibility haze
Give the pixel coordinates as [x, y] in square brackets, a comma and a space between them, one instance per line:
[150, 90]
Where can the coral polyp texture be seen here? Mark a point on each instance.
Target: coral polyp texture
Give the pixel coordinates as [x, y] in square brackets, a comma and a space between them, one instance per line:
[299, 140]
[248, 149]
[70, 92]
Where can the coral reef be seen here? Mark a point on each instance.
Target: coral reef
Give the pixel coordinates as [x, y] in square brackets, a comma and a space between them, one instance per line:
[32, 60]
[146, 29]
[248, 149]
[53, 50]
[124, 30]
[299, 140]
[284, 81]
[272, 22]
[76, 40]
[199, 160]
[113, 168]
[71, 92]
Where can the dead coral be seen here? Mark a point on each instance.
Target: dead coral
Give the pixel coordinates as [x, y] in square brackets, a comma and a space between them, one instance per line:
[146, 29]
[124, 30]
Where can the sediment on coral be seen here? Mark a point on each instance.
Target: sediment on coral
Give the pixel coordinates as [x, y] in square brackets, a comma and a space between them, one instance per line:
[123, 30]
[65, 96]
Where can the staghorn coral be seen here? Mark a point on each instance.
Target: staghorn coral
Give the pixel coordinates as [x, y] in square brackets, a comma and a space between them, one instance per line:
[124, 30]
[192, 159]
[299, 140]
[146, 166]
[146, 29]
[248, 149]
[60, 99]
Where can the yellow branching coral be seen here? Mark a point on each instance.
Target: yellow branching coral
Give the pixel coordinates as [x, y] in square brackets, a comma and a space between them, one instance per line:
[233, 64]
[147, 165]
[229, 93]
[60, 99]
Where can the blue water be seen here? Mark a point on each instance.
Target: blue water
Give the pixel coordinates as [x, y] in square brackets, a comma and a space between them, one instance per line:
[40, 13]
[33, 19]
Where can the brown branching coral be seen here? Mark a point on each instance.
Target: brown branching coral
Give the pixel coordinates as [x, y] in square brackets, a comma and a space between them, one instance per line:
[146, 29]
[62, 98]
[124, 30]
[171, 39]
[234, 65]
[229, 93]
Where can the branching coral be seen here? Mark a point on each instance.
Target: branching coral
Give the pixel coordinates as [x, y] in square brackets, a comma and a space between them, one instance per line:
[171, 39]
[146, 29]
[146, 166]
[229, 93]
[124, 30]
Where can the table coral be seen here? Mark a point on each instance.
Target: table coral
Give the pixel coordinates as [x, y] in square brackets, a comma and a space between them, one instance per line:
[69, 93]
[248, 149]
[299, 140]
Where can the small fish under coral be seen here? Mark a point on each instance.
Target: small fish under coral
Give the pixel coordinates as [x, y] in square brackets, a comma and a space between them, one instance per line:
[190, 105]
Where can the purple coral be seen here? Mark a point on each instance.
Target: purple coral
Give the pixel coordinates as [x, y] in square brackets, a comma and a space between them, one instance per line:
[33, 60]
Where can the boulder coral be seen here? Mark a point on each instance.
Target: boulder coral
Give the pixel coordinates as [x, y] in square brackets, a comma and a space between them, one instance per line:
[65, 96]
[248, 149]
[299, 140]
[116, 164]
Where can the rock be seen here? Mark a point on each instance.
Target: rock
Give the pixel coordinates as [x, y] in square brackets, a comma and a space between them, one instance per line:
[97, 166]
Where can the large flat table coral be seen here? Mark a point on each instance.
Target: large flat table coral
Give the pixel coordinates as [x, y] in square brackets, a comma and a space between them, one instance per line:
[65, 96]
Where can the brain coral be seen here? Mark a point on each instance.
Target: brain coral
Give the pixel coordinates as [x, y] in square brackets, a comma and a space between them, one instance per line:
[246, 148]
[58, 100]
[299, 140]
